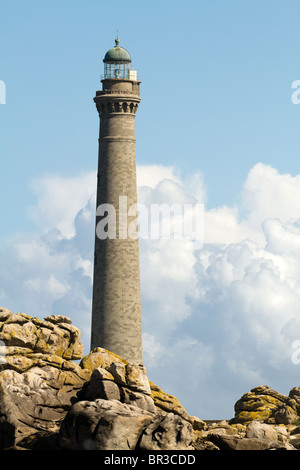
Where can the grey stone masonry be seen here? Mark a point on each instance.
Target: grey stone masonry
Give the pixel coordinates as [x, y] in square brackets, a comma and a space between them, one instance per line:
[116, 314]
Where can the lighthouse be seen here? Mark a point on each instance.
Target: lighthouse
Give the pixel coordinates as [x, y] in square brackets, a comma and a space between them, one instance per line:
[116, 309]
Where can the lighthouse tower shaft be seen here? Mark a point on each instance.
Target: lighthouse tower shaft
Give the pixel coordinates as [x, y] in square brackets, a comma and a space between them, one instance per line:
[116, 314]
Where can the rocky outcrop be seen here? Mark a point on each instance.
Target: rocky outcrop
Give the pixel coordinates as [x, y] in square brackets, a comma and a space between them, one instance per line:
[38, 380]
[48, 401]
[264, 404]
[128, 377]
[22, 335]
[110, 425]
[252, 436]
[118, 411]
[264, 420]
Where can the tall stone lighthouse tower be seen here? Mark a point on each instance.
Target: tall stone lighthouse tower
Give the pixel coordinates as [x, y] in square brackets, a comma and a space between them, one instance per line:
[116, 315]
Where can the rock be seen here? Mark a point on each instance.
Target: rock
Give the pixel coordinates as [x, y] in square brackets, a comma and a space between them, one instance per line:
[249, 443]
[260, 430]
[140, 400]
[103, 425]
[264, 404]
[4, 313]
[136, 378]
[285, 415]
[202, 444]
[223, 441]
[167, 432]
[135, 388]
[276, 445]
[295, 395]
[35, 402]
[49, 402]
[59, 319]
[252, 436]
[222, 427]
[295, 430]
[130, 375]
[102, 384]
[165, 402]
[122, 413]
[56, 335]
[295, 442]
[38, 381]
[217, 432]
[198, 424]
[282, 432]
[111, 425]
[40, 386]
[100, 357]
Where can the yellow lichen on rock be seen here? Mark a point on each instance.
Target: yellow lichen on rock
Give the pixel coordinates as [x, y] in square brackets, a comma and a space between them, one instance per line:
[264, 404]
[55, 335]
[166, 402]
[100, 357]
[124, 372]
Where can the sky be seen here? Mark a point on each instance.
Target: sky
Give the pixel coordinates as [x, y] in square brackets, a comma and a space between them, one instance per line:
[218, 124]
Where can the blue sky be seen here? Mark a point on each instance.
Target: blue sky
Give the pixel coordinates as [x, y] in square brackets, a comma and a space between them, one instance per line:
[216, 102]
[216, 87]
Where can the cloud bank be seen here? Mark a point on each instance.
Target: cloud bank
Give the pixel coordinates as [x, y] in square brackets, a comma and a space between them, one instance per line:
[216, 321]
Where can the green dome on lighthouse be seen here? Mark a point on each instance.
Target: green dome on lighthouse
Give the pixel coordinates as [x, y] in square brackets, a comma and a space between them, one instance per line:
[117, 54]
